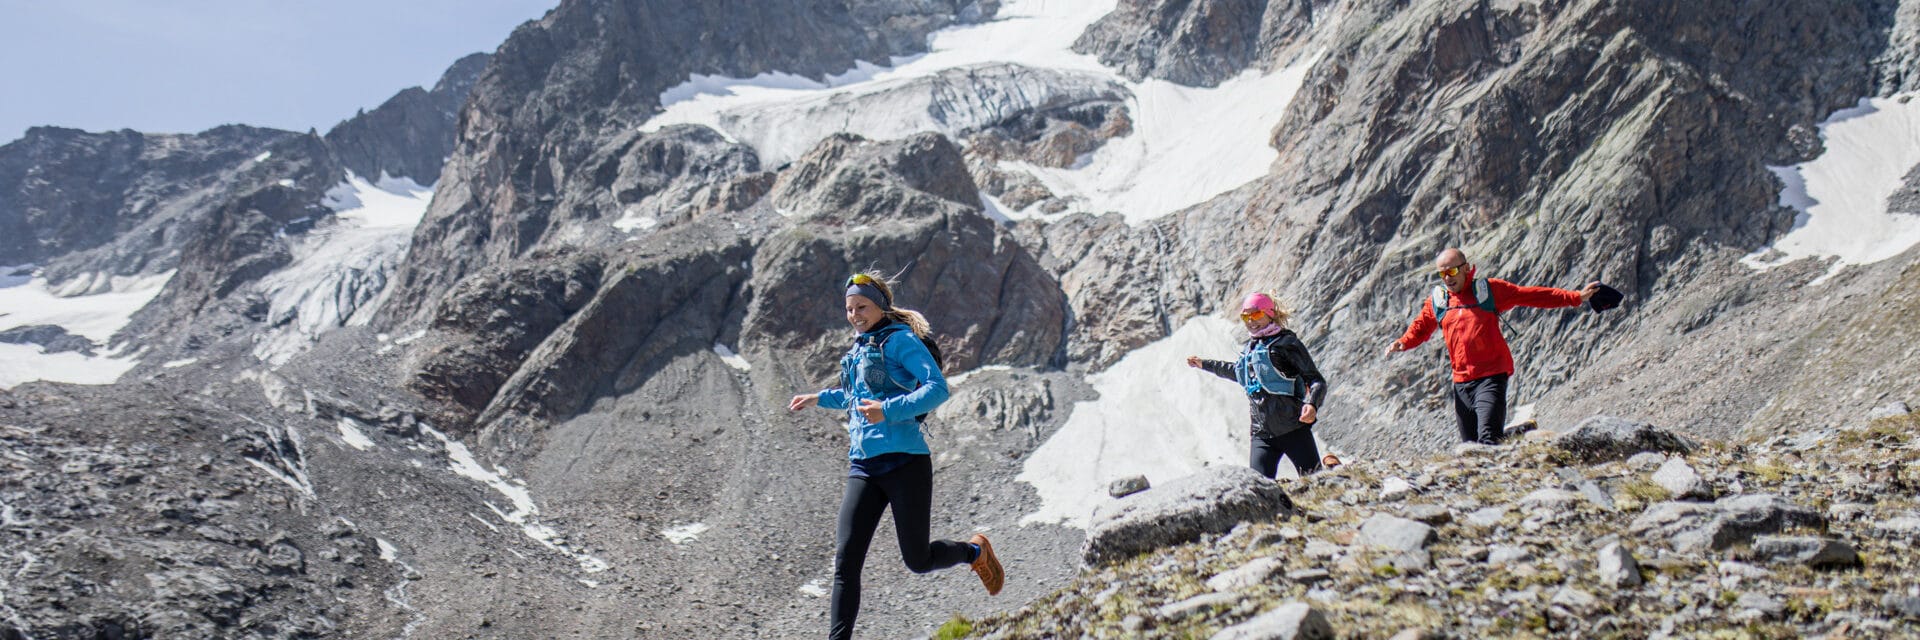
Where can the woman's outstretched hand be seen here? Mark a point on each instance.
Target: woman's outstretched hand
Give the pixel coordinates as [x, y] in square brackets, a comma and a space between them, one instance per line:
[1193, 361]
[872, 411]
[803, 401]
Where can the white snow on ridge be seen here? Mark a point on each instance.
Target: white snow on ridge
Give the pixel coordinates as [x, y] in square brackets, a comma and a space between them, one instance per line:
[1155, 417]
[1842, 195]
[1188, 144]
[732, 359]
[339, 269]
[30, 300]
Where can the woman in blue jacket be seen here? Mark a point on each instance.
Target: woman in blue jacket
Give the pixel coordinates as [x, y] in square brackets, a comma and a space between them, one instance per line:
[1284, 389]
[889, 381]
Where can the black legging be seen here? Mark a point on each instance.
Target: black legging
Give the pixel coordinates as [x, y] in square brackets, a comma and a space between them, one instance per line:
[1480, 408]
[910, 490]
[1298, 445]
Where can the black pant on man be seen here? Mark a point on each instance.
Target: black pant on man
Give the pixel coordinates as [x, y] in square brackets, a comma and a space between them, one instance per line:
[1481, 407]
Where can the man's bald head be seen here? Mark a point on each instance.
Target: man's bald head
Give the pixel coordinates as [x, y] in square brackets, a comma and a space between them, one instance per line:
[1450, 258]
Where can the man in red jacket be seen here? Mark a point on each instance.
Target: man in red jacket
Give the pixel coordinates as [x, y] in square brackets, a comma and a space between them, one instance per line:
[1467, 311]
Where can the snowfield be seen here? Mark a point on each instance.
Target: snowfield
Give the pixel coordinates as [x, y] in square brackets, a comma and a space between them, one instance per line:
[1188, 145]
[1842, 195]
[107, 306]
[1155, 417]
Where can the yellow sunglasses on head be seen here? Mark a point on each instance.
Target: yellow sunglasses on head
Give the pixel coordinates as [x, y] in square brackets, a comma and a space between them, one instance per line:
[860, 278]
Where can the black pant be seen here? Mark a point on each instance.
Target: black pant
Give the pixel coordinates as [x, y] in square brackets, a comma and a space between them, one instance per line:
[1298, 445]
[1481, 407]
[910, 490]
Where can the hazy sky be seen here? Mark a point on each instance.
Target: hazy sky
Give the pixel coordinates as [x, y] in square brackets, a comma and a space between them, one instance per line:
[188, 65]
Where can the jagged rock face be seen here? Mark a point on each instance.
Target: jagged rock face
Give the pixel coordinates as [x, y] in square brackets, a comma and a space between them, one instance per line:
[1638, 133]
[491, 322]
[907, 206]
[1200, 42]
[561, 88]
[125, 203]
[411, 134]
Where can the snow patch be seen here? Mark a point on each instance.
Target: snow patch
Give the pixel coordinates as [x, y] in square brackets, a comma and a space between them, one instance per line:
[632, 221]
[816, 587]
[732, 359]
[91, 306]
[1842, 195]
[684, 533]
[1188, 145]
[523, 512]
[175, 364]
[351, 434]
[263, 156]
[1155, 417]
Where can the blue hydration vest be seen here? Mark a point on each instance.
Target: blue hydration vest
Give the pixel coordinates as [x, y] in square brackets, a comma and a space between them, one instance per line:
[1256, 372]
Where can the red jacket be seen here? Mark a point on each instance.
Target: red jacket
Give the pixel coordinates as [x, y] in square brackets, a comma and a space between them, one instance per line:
[1472, 334]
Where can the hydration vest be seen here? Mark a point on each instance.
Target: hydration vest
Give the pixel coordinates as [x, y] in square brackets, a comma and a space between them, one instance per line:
[1256, 372]
[867, 362]
[1481, 290]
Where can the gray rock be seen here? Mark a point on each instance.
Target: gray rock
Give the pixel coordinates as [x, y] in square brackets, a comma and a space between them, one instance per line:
[1291, 621]
[1694, 527]
[1309, 576]
[1196, 604]
[1553, 500]
[1322, 549]
[1180, 511]
[1488, 517]
[1900, 525]
[1682, 481]
[1593, 493]
[1617, 567]
[1500, 554]
[1602, 438]
[1893, 409]
[1128, 486]
[1384, 531]
[1646, 461]
[1432, 514]
[1902, 605]
[1468, 449]
[1574, 599]
[1752, 607]
[1848, 511]
[1808, 550]
[1393, 489]
[1246, 576]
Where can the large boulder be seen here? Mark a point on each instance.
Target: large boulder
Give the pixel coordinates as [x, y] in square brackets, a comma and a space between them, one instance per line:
[1699, 527]
[1181, 511]
[1602, 438]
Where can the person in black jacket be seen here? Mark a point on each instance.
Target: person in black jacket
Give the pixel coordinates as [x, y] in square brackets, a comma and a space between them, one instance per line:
[1284, 389]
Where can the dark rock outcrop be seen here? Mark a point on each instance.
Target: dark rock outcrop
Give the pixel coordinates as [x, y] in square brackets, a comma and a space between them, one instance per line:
[1200, 42]
[51, 337]
[411, 134]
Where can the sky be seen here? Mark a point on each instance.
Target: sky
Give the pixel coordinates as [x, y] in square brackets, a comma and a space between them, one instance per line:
[189, 65]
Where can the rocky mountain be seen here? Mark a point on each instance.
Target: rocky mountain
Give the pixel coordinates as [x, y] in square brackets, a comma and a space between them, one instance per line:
[551, 402]
[411, 134]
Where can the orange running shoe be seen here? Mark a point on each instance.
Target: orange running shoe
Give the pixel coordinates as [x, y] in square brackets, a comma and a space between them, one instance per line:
[987, 566]
[1330, 461]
